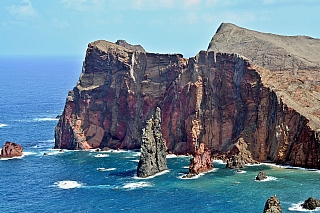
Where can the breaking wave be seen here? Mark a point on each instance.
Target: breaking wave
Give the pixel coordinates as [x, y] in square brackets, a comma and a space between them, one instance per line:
[67, 184]
[3, 125]
[101, 155]
[152, 176]
[298, 208]
[197, 176]
[136, 185]
[45, 119]
[269, 178]
[106, 169]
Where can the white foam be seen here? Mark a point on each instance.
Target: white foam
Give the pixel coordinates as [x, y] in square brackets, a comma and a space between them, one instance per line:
[18, 157]
[135, 161]
[106, 169]
[290, 167]
[176, 156]
[101, 155]
[269, 178]
[152, 176]
[28, 153]
[45, 119]
[298, 208]
[197, 176]
[241, 171]
[116, 151]
[136, 154]
[185, 167]
[136, 185]
[68, 184]
[3, 125]
[219, 161]
[52, 153]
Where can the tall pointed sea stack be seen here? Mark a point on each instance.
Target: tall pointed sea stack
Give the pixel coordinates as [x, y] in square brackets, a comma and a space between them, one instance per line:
[153, 151]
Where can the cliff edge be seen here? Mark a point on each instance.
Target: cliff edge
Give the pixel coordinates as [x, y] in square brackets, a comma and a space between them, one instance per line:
[294, 62]
[213, 98]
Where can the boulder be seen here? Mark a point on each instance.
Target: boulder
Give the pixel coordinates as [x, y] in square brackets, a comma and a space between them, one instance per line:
[272, 205]
[311, 203]
[153, 151]
[261, 175]
[11, 149]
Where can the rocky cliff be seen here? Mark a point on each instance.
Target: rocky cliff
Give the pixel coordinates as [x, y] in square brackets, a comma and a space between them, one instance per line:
[213, 98]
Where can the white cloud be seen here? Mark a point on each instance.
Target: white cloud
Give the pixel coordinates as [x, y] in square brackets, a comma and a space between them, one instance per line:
[152, 4]
[209, 18]
[84, 5]
[190, 3]
[192, 17]
[211, 3]
[60, 23]
[238, 17]
[268, 1]
[23, 10]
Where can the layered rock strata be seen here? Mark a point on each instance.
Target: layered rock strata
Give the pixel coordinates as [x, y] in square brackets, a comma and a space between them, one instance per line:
[213, 97]
[272, 205]
[153, 151]
[11, 149]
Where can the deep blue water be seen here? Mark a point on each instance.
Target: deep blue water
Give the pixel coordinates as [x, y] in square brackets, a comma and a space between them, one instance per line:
[32, 94]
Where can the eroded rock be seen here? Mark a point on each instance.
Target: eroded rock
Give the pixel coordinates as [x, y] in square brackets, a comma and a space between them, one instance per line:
[238, 156]
[202, 161]
[272, 205]
[11, 149]
[262, 175]
[311, 203]
[153, 151]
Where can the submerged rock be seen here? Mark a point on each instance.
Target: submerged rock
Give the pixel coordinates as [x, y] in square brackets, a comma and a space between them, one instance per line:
[311, 203]
[153, 151]
[11, 149]
[272, 205]
[261, 175]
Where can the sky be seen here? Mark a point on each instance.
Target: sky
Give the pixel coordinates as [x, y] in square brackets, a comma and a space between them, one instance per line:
[65, 27]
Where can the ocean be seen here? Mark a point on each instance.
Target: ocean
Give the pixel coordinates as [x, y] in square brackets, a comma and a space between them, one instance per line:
[32, 94]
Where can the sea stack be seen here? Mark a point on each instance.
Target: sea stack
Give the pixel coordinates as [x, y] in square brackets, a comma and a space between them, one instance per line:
[11, 149]
[202, 161]
[272, 205]
[262, 175]
[153, 151]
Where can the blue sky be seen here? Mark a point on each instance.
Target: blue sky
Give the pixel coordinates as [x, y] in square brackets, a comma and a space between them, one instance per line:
[65, 27]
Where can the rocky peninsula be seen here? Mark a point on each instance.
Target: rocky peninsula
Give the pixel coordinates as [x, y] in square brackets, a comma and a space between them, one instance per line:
[260, 87]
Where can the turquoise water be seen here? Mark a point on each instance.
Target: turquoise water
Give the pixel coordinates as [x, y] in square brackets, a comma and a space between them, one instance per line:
[32, 93]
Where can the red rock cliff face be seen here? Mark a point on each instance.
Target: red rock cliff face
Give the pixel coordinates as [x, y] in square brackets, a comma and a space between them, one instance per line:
[212, 98]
